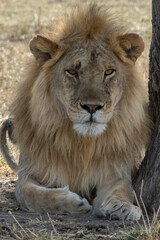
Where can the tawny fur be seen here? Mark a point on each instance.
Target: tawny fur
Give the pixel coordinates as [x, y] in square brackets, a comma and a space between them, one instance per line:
[56, 156]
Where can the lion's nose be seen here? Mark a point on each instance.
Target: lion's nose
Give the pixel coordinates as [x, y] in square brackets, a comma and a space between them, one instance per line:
[91, 108]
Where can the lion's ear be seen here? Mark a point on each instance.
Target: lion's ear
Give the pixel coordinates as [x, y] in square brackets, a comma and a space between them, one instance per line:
[129, 47]
[42, 48]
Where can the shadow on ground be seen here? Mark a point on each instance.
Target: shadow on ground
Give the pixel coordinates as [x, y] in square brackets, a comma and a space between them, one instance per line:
[14, 221]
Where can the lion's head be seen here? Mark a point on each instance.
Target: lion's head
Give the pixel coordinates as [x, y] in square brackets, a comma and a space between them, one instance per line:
[88, 62]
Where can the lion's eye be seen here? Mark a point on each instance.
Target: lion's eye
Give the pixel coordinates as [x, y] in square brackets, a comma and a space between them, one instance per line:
[71, 72]
[109, 72]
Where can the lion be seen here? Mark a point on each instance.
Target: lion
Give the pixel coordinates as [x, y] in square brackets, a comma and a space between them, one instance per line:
[80, 118]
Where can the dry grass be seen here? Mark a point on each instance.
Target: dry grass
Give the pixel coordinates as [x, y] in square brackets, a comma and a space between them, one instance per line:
[19, 22]
[150, 230]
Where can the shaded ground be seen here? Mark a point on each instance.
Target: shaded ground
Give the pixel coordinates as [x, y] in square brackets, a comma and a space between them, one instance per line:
[14, 222]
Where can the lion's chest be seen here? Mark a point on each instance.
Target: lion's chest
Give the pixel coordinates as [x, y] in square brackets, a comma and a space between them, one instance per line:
[77, 165]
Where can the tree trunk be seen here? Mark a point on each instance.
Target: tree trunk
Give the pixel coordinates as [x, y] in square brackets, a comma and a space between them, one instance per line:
[149, 170]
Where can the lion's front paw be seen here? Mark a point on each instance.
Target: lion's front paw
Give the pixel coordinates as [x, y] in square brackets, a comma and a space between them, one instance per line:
[118, 210]
[74, 204]
[80, 207]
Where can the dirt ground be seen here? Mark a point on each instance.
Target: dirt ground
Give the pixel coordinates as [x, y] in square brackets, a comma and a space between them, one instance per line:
[17, 224]
[19, 22]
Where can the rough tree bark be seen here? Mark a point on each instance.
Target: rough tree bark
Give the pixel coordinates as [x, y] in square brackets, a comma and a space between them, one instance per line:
[149, 170]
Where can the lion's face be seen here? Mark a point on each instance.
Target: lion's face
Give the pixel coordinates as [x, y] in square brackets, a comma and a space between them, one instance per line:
[90, 88]
[88, 78]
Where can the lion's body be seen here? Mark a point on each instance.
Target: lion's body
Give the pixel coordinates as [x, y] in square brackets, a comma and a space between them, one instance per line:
[57, 150]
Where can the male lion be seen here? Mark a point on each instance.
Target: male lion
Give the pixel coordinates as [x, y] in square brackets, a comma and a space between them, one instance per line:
[79, 118]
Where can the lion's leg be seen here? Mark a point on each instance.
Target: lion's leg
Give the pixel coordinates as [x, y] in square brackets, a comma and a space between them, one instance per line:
[36, 198]
[115, 200]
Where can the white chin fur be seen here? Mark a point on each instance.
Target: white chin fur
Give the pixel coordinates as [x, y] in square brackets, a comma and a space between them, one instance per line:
[89, 129]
